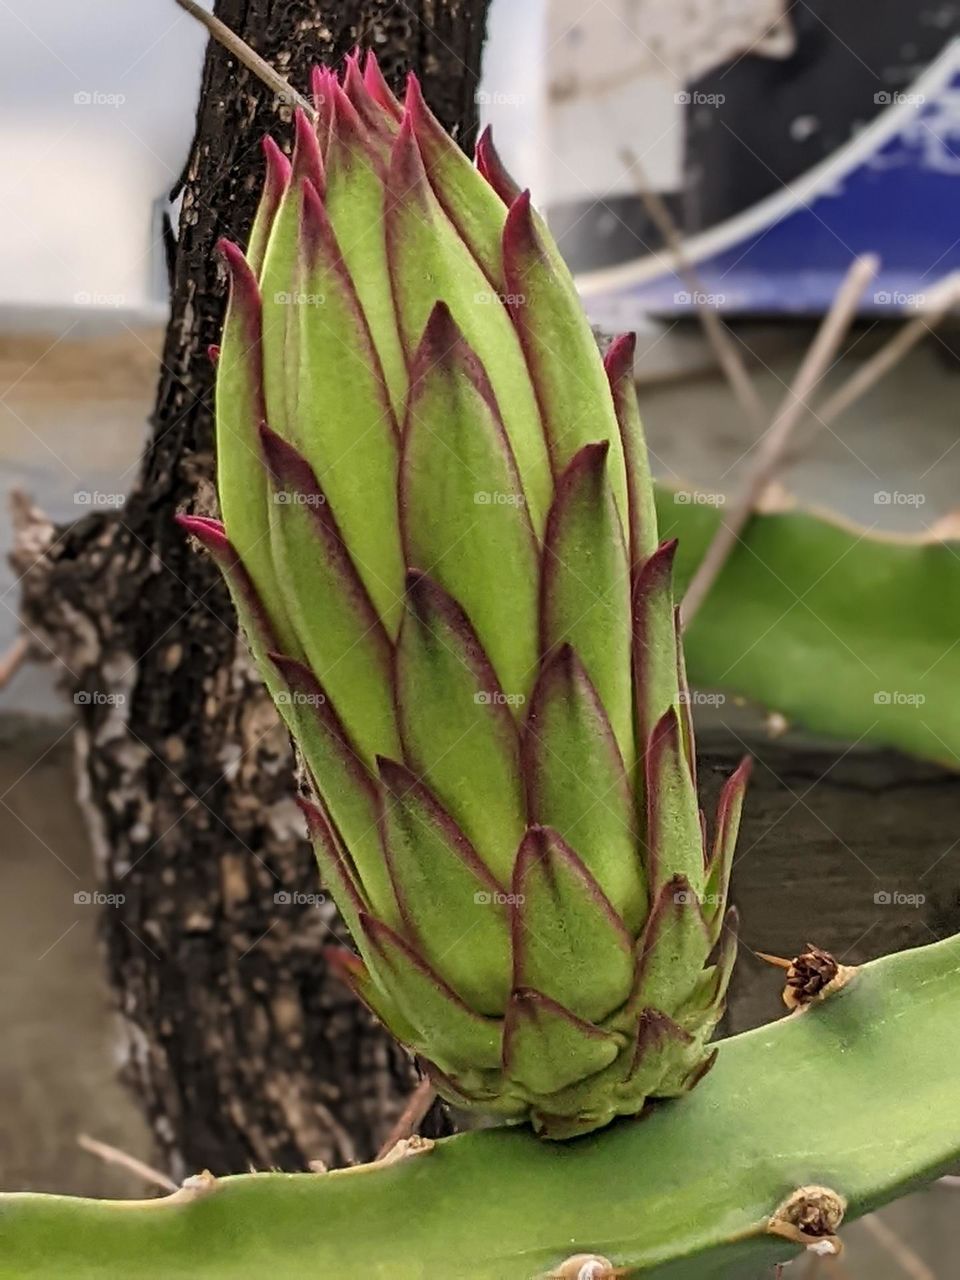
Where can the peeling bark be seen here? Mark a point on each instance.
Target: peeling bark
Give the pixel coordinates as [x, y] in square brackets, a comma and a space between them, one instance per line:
[241, 1048]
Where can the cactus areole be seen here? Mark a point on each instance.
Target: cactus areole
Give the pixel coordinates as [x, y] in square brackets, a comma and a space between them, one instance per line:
[440, 536]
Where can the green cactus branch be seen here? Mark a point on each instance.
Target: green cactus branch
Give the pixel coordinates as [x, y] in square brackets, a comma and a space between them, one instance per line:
[844, 631]
[858, 1094]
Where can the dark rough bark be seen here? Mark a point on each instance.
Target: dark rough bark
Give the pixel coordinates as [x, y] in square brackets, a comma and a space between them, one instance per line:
[240, 1046]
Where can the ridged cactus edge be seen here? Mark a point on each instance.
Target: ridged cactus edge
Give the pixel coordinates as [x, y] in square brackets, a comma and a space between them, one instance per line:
[846, 1105]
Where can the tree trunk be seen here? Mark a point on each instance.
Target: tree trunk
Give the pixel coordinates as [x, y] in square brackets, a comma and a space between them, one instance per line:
[241, 1048]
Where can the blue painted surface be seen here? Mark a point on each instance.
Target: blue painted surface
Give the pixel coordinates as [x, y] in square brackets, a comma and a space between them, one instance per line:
[895, 192]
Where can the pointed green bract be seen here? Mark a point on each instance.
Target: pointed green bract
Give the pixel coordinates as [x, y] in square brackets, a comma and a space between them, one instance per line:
[245, 497]
[442, 544]
[463, 508]
[281, 285]
[547, 1047]
[560, 348]
[355, 204]
[342, 780]
[586, 587]
[450, 903]
[345, 425]
[459, 731]
[468, 200]
[569, 942]
[430, 264]
[577, 783]
[458, 1037]
[674, 931]
[674, 836]
[347, 644]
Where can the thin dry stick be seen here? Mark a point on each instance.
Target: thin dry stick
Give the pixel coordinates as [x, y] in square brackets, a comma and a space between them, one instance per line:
[250, 58]
[909, 1262]
[773, 445]
[13, 660]
[725, 349]
[411, 1118]
[113, 1155]
[872, 370]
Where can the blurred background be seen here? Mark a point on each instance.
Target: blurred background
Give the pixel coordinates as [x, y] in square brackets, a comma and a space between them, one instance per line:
[777, 140]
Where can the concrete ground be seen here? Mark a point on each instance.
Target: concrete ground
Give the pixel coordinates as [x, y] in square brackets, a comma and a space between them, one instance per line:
[72, 420]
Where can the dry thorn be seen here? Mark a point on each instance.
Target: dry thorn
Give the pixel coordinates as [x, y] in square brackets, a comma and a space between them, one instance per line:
[113, 1155]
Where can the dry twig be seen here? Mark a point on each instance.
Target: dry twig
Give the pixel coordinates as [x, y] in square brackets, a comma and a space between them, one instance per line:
[250, 58]
[411, 1118]
[113, 1155]
[728, 354]
[773, 445]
